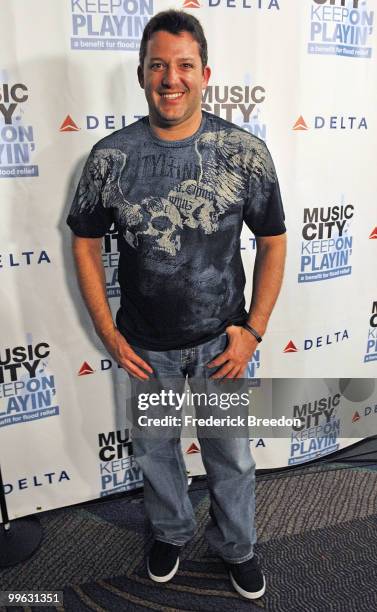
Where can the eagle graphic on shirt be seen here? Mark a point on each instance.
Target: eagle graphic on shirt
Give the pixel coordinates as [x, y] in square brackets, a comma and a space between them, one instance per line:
[231, 170]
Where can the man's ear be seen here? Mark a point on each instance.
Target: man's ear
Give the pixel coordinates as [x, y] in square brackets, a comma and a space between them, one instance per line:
[140, 76]
[206, 76]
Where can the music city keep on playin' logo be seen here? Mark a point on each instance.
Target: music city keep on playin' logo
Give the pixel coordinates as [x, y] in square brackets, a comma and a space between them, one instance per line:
[118, 470]
[110, 258]
[16, 139]
[371, 352]
[326, 247]
[240, 104]
[341, 27]
[115, 25]
[27, 390]
[318, 432]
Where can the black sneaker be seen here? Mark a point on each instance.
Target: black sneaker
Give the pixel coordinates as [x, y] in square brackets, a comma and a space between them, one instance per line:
[247, 578]
[163, 561]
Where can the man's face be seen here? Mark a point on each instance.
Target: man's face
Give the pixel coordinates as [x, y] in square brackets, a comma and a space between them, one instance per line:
[173, 78]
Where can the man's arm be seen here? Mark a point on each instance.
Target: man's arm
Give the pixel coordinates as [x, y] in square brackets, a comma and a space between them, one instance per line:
[91, 276]
[267, 280]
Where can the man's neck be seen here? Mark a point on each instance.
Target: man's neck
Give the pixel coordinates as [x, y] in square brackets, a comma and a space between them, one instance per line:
[176, 132]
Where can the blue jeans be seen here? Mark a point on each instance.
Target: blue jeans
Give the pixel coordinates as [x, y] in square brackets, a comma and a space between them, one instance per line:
[228, 462]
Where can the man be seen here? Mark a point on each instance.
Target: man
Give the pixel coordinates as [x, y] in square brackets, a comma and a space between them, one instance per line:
[179, 184]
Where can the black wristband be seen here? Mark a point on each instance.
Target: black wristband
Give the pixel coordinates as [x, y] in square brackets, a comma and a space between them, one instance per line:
[252, 331]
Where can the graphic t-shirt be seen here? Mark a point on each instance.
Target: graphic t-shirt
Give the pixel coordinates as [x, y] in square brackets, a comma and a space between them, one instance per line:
[178, 207]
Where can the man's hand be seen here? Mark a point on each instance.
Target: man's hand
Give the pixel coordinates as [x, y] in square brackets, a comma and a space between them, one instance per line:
[125, 356]
[234, 360]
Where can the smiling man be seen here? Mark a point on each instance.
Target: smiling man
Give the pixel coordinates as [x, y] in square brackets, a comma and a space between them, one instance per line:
[173, 77]
[179, 184]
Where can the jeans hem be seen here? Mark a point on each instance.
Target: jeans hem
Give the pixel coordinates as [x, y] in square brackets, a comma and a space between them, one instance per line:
[171, 542]
[241, 560]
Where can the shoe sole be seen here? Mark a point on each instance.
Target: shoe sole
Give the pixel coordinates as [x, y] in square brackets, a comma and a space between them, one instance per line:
[248, 594]
[166, 578]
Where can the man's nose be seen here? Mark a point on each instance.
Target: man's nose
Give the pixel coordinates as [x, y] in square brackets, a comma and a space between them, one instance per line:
[170, 76]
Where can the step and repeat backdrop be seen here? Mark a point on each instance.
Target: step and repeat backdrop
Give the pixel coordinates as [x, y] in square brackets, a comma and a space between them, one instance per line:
[301, 75]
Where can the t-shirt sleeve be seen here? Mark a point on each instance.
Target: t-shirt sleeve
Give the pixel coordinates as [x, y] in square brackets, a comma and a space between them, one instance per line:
[263, 209]
[88, 216]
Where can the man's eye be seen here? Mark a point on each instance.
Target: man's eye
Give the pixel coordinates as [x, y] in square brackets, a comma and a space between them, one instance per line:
[185, 65]
[156, 66]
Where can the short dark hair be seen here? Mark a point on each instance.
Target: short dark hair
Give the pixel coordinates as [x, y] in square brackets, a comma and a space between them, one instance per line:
[174, 22]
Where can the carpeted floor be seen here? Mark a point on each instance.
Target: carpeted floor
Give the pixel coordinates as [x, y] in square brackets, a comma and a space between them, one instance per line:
[317, 530]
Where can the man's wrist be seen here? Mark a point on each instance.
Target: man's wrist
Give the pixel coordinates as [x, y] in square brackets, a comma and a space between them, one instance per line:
[259, 323]
[252, 331]
[106, 333]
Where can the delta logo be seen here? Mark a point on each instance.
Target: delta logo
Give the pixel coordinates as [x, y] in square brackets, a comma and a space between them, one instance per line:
[94, 122]
[108, 25]
[191, 4]
[300, 125]
[257, 442]
[241, 4]
[17, 142]
[318, 342]
[290, 347]
[341, 27]
[331, 122]
[104, 365]
[50, 477]
[69, 125]
[370, 410]
[192, 449]
[85, 369]
[373, 234]
[23, 259]
[371, 350]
